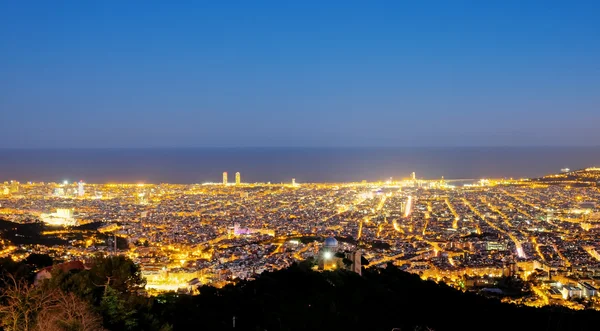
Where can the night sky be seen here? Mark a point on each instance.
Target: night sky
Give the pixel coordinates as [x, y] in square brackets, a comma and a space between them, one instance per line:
[299, 73]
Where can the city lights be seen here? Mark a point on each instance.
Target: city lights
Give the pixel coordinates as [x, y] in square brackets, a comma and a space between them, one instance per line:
[186, 235]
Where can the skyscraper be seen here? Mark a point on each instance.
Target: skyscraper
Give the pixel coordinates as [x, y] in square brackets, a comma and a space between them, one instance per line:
[80, 189]
[238, 178]
[293, 181]
[225, 178]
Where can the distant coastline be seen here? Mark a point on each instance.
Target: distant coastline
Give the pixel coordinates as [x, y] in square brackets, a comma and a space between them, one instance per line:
[280, 164]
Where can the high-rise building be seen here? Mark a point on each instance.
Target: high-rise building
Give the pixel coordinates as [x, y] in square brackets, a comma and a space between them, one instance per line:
[225, 178]
[80, 189]
[238, 178]
[14, 186]
[293, 181]
[413, 176]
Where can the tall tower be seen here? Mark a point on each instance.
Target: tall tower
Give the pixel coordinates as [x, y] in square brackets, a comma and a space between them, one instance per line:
[238, 178]
[80, 189]
[225, 178]
[293, 181]
[413, 176]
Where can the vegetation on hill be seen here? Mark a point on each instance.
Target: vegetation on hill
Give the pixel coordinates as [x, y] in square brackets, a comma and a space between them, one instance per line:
[38, 233]
[581, 177]
[108, 295]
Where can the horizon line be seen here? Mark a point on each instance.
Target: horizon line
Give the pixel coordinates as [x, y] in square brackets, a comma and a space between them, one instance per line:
[295, 147]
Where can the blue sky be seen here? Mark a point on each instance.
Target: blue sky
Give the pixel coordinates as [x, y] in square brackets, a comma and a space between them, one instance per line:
[299, 73]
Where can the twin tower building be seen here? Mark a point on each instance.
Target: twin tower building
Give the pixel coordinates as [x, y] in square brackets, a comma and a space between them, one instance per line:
[238, 178]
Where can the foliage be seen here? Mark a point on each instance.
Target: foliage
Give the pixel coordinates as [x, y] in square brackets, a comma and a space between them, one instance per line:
[17, 270]
[382, 299]
[39, 260]
[25, 307]
[111, 285]
[117, 314]
[122, 274]
[295, 298]
[20, 304]
[67, 312]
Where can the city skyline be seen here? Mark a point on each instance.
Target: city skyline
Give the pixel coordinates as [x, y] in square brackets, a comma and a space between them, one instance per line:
[280, 165]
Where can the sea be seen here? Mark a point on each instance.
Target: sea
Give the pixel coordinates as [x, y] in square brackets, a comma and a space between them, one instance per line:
[280, 165]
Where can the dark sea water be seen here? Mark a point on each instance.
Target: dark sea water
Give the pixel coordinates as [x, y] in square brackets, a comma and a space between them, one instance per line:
[198, 165]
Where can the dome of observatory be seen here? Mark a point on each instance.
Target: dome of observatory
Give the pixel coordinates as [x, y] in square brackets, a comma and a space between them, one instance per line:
[330, 242]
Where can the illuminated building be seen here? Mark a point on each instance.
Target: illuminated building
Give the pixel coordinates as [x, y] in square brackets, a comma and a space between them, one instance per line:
[330, 257]
[495, 246]
[238, 230]
[587, 289]
[569, 291]
[242, 230]
[326, 258]
[142, 198]
[413, 176]
[59, 192]
[14, 186]
[80, 189]
[510, 270]
[293, 181]
[63, 216]
[238, 178]
[225, 178]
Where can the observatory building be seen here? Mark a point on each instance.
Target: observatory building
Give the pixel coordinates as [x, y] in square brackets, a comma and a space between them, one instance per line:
[330, 257]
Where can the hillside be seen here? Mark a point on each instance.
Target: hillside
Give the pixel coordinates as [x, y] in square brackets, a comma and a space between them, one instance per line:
[299, 299]
[581, 177]
[295, 298]
[37, 233]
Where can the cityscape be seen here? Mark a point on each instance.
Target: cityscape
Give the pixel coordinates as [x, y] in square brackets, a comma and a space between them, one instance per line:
[299, 165]
[472, 235]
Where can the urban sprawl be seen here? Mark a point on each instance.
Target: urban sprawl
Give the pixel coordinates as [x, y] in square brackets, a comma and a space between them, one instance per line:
[544, 233]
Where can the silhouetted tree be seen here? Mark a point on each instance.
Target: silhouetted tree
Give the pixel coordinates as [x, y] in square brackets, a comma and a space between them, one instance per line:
[39, 260]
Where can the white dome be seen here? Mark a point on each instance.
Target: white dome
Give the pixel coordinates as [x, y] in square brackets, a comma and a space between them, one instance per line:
[330, 242]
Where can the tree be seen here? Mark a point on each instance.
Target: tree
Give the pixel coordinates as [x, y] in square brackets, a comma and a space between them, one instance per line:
[20, 304]
[118, 272]
[39, 260]
[67, 312]
[111, 285]
[123, 275]
[25, 307]
[347, 262]
[115, 311]
[18, 270]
